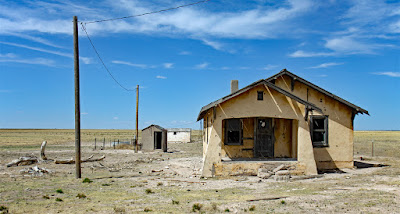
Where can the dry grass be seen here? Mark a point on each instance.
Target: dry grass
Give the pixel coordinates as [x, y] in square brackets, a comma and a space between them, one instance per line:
[120, 182]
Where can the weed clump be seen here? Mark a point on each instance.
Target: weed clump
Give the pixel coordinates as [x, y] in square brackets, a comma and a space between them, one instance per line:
[160, 184]
[46, 197]
[196, 207]
[87, 180]
[59, 191]
[81, 195]
[283, 202]
[175, 202]
[59, 199]
[119, 209]
[147, 210]
[3, 209]
[106, 185]
[252, 208]
[149, 191]
[227, 210]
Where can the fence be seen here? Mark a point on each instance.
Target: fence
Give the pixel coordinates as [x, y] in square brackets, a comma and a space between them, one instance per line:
[377, 143]
[111, 143]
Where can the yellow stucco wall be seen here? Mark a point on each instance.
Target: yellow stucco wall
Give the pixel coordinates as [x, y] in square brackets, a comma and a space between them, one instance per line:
[274, 105]
[339, 154]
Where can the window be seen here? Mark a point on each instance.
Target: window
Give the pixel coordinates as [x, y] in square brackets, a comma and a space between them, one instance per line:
[319, 131]
[233, 132]
[174, 133]
[260, 95]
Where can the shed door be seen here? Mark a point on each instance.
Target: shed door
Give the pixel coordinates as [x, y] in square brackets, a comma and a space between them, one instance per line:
[157, 140]
[264, 145]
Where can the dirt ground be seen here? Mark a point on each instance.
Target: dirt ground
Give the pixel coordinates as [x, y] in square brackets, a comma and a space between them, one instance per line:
[157, 182]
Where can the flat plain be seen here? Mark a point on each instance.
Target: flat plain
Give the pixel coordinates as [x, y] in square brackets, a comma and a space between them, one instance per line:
[157, 182]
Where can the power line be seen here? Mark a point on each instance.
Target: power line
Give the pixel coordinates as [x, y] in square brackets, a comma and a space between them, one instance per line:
[143, 14]
[98, 55]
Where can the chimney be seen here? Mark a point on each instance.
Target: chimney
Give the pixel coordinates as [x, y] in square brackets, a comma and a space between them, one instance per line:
[234, 85]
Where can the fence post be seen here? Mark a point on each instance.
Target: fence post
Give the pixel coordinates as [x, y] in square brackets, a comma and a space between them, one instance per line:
[94, 143]
[372, 148]
[104, 143]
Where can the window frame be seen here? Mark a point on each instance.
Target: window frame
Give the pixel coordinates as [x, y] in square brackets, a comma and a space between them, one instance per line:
[325, 131]
[260, 93]
[226, 142]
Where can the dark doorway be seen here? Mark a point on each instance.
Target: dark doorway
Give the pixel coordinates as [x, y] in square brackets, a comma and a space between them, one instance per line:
[264, 145]
[157, 140]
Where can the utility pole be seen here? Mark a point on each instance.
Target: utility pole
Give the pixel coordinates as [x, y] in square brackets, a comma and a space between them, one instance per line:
[137, 118]
[77, 102]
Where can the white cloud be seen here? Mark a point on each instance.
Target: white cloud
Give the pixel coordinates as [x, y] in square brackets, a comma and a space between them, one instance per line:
[185, 53]
[301, 53]
[130, 64]
[202, 65]
[161, 77]
[216, 45]
[8, 55]
[168, 65]
[327, 64]
[270, 67]
[115, 118]
[85, 60]
[35, 61]
[388, 73]
[36, 39]
[349, 45]
[266, 21]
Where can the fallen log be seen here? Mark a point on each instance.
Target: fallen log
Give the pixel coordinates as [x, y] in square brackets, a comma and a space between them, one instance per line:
[23, 161]
[72, 161]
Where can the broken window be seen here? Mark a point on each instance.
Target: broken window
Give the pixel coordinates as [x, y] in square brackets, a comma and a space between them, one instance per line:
[174, 133]
[319, 131]
[260, 95]
[233, 132]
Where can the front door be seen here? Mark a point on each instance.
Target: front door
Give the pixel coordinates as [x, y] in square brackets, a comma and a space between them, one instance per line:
[264, 145]
[157, 140]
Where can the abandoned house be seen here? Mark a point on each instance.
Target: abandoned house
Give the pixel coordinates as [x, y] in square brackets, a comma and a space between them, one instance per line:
[280, 119]
[154, 137]
[179, 135]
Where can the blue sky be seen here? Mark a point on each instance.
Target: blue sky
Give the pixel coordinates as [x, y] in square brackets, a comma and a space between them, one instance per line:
[184, 59]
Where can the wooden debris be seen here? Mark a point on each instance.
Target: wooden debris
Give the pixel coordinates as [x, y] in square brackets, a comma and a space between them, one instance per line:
[266, 199]
[23, 161]
[72, 161]
[42, 148]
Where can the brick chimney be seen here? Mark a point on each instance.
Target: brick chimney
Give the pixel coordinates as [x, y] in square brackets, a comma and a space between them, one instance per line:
[234, 86]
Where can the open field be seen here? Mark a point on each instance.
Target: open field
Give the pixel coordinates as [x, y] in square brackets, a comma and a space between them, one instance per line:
[128, 182]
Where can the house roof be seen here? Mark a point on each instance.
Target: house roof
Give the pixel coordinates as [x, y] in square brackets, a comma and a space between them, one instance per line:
[327, 93]
[157, 126]
[257, 83]
[267, 82]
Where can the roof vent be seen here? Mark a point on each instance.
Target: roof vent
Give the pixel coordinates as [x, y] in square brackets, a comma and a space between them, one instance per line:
[234, 86]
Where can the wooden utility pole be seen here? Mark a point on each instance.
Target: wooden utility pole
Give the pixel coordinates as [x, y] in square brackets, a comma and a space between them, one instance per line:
[77, 102]
[137, 118]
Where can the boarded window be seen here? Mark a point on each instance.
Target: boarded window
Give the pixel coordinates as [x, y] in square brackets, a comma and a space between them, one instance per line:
[233, 132]
[260, 95]
[319, 131]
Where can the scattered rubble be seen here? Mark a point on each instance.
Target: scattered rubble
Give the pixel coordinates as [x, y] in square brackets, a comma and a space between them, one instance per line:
[37, 171]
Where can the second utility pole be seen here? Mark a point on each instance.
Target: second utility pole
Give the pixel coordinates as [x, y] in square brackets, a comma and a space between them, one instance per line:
[137, 118]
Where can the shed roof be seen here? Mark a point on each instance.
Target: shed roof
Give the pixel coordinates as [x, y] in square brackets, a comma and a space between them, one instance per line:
[179, 129]
[327, 93]
[157, 126]
[257, 83]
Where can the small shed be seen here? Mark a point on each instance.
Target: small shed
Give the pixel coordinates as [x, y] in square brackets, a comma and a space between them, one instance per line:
[179, 135]
[154, 137]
